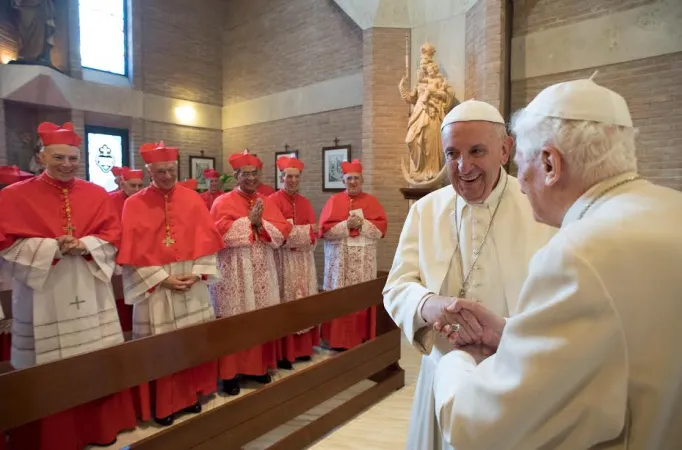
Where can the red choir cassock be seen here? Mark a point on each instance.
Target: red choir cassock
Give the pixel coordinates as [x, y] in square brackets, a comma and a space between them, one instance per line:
[248, 255]
[150, 218]
[209, 197]
[117, 172]
[8, 175]
[355, 262]
[297, 277]
[35, 208]
[265, 190]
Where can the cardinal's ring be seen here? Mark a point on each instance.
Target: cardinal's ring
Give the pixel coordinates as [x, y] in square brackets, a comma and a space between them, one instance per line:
[456, 327]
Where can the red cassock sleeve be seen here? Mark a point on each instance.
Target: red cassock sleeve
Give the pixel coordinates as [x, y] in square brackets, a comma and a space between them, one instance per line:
[274, 216]
[375, 213]
[334, 211]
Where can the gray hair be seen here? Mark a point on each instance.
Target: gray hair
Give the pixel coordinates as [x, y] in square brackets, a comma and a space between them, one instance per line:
[593, 151]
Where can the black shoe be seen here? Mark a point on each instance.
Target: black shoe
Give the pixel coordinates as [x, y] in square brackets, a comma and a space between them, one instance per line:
[231, 387]
[263, 379]
[284, 364]
[304, 358]
[194, 409]
[166, 421]
[339, 349]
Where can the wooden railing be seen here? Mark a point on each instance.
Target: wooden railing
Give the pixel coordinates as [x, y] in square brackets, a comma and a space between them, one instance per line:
[26, 396]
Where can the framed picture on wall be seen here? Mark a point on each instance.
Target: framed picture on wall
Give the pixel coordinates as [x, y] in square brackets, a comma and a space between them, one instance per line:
[332, 176]
[278, 155]
[197, 165]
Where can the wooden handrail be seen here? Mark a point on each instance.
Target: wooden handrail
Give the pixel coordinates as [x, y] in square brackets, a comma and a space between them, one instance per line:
[46, 389]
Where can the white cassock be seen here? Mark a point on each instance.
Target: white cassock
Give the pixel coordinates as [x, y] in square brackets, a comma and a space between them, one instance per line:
[158, 310]
[427, 261]
[598, 327]
[61, 305]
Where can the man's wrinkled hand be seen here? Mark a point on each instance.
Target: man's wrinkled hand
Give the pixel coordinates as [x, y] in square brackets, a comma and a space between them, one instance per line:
[256, 213]
[436, 314]
[189, 280]
[491, 324]
[174, 283]
[354, 222]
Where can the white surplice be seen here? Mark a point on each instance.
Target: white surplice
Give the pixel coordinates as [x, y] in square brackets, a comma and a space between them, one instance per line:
[157, 309]
[350, 260]
[597, 329]
[248, 270]
[426, 262]
[296, 266]
[61, 305]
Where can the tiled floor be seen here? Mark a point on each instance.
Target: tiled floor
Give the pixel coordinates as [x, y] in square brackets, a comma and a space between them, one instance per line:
[391, 416]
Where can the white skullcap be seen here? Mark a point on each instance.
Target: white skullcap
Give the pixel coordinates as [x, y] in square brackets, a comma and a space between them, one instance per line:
[471, 110]
[582, 100]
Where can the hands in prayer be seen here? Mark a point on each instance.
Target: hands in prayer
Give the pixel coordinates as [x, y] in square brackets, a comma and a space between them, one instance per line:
[479, 329]
[180, 282]
[69, 245]
[354, 222]
[256, 213]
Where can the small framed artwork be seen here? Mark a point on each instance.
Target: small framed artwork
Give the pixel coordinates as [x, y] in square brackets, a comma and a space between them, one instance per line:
[278, 155]
[197, 165]
[332, 176]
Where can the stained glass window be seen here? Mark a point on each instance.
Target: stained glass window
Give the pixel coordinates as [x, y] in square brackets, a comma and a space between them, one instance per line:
[105, 149]
[103, 35]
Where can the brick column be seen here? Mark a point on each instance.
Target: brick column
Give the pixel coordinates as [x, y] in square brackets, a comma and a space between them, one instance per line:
[78, 120]
[75, 67]
[485, 50]
[384, 125]
[3, 135]
[136, 141]
[135, 43]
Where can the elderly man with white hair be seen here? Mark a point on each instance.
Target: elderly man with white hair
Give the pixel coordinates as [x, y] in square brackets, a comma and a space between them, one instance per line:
[472, 239]
[592, 358]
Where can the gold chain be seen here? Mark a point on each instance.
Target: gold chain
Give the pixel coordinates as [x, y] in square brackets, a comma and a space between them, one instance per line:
[606, 191]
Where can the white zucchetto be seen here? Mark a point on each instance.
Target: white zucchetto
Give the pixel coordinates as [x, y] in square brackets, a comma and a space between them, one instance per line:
[582, 100]
[472, 110]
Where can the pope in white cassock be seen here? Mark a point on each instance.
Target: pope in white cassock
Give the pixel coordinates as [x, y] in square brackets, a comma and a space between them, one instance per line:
[472, 239]
[591, 359]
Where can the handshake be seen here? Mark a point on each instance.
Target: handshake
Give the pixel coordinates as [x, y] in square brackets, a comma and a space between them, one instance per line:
[467, 325]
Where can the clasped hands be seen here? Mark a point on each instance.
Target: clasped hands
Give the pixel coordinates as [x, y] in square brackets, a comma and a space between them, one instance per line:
[354, 222]
[256, 213]
[479, 330]
[180, 282]
[69, 245]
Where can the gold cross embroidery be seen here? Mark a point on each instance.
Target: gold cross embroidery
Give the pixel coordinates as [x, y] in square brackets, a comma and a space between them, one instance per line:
[168, 241]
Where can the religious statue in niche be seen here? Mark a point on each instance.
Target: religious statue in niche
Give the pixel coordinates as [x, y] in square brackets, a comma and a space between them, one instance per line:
[432, 99]
[36, 31]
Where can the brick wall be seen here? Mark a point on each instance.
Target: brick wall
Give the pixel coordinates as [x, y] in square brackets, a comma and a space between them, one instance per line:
[307, 134]
[384, 120]
[191, 141]
[653, 91]
[485, 52]
[275, 45]
[536, 15]
[181, 49]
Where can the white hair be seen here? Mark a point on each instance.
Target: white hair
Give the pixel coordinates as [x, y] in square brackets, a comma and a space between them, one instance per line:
[593, 151]
[149, 165]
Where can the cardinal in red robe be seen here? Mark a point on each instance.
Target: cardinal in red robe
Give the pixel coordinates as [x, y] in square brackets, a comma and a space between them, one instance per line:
[8, 175]
[252, 228]
[58, 238]
[168, 254]
[131, 181]
[295, 259]
[117, 172]
[351, 223]
[262, 188]
[215, 190]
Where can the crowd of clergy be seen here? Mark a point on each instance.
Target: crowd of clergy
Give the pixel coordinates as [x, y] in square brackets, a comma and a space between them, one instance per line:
[184, 258]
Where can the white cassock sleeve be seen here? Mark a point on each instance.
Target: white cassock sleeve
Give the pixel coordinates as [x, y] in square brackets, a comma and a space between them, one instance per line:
[103, 255]
[404, 288]
[561, 366]
[139, 282]
[206, 267]
[30, 260]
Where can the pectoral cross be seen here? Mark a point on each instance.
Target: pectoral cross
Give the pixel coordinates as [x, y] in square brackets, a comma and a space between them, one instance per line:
[69, 229]
[168, 241]
[77, 303]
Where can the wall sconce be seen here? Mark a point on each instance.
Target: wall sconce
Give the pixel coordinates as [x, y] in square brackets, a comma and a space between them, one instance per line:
[6, 58]
[185, 114]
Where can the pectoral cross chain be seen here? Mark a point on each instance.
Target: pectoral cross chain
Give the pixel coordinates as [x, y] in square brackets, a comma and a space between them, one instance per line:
[77, 303]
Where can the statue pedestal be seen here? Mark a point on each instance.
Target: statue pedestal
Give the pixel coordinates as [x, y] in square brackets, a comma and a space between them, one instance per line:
[415, 194]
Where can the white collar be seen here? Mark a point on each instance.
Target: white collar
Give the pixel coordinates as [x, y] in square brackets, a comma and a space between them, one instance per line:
[592, 195]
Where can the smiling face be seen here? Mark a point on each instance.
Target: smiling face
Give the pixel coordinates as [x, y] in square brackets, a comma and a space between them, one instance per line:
[214, 185]
[163, 174]
[61, 161]
[248, 178]
[353, 182]
[474, 152]
[291, 178]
